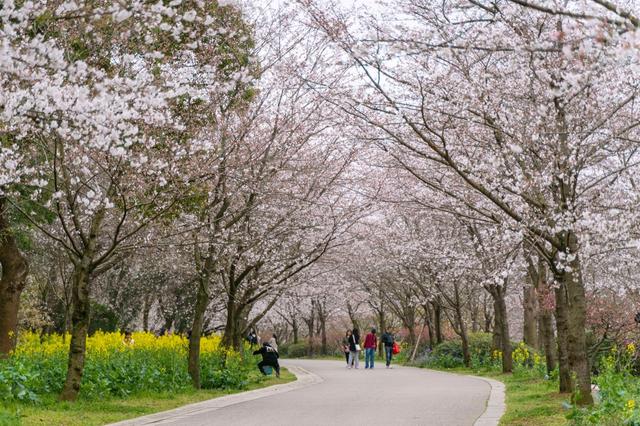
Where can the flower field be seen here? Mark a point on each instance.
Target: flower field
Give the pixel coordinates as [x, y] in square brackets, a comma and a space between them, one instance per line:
[115, 368]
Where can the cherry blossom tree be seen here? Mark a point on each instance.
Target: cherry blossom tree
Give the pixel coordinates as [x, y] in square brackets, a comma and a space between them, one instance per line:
[93, 98]
[439, 86]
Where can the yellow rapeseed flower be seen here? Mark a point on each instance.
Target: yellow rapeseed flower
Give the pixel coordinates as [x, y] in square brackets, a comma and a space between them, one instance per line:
[103, 344]
[630, 405]
[631, 349]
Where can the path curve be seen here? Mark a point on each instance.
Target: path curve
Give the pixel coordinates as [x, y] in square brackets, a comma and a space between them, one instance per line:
[327, 393]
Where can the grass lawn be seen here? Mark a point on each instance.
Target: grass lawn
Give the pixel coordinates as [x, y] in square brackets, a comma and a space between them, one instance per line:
[530, 401]
[51, 412]
[533, 401]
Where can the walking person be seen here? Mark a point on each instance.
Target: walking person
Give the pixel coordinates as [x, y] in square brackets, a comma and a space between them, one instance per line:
[354, 349]
[387, 341]
[370, 345]
[345, 346]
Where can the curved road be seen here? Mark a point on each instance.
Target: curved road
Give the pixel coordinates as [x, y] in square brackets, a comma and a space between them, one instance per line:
[335, 395]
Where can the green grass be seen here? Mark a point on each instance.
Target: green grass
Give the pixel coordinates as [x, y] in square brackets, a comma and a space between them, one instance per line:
[51, 412]
[533, 401]
[530, 401]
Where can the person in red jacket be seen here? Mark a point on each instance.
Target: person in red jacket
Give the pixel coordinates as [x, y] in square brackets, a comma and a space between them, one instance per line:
[370, 345]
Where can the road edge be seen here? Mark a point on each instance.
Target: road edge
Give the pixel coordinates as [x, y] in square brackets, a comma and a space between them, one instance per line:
[304, 378]
[496, 406]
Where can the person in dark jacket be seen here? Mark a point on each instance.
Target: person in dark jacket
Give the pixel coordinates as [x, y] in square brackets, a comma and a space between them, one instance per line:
[354, 349]
[387, 341]
[345, 346]
[252, 338]
[269, 358]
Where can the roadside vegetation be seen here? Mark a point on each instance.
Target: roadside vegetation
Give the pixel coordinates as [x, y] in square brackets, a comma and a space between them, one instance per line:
[532, 395]
[122, 379]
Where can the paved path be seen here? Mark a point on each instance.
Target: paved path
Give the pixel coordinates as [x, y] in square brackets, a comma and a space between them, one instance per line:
[327, 393]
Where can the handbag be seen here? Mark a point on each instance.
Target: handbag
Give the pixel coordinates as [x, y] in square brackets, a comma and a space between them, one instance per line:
[396, 348]
[357, 347]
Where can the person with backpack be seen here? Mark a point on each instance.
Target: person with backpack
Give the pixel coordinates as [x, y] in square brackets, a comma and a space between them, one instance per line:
[354, 349]
[388, 341]
[370, 345]
[269, 358]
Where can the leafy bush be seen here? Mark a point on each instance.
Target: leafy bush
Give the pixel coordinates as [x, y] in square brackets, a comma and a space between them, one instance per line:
[448, 354]
[618, 394]
[483, 357]
[295, 350]
[150, 363]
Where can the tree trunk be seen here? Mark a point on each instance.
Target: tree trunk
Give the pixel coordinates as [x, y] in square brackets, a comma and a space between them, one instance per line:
[561, 326]
[502, 325]
[529, 304]
[295, 330]
[202, 300]
[546, 329]
[545, 320]
[429, 321]
[382, 321]
[79, 329]
[310, 351]
[411, 328]
[488, 317]
[352, 316]
[322, 318]
[496, 338]
[232, 336]
[310, 325]
[9, 305]
[576, 321]
[14, 274]
[437, 322]
[475, 313]
[466, 354]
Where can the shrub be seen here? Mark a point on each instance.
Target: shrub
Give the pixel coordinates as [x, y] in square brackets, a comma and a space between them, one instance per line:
[296, 350]
[448, 354]
[156, 364]
[483, 357]
[619, 391]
